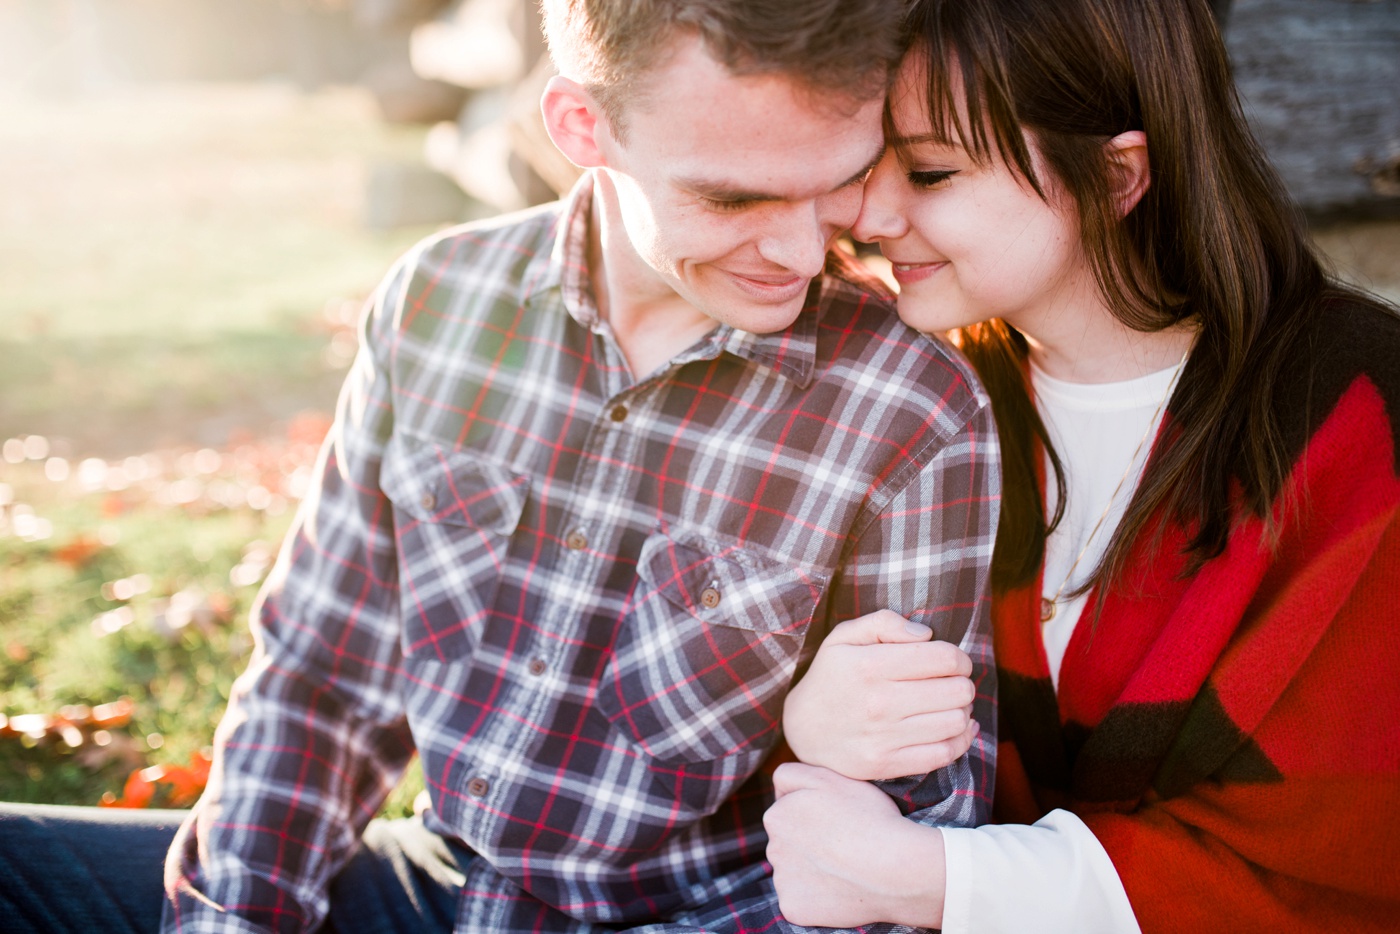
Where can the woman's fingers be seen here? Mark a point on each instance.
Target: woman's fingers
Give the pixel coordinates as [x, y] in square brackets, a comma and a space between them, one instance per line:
[931, 695]
[901, 708]
[931, 756]
[917, 661]
[882, 626]
[863, 699]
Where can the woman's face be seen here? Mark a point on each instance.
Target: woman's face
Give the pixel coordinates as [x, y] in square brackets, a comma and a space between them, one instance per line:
[967, 241]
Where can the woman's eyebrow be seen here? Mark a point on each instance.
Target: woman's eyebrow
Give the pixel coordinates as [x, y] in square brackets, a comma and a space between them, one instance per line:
[914, 140]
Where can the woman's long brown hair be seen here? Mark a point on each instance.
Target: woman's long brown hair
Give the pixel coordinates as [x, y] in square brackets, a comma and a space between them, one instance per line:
[1214, 241]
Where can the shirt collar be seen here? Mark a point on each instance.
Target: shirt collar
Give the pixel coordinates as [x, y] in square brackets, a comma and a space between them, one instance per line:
[791, 351]
[568, 259]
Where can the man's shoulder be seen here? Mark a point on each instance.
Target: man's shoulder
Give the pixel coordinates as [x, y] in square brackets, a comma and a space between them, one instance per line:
[863, 343]
[504, 242]
[465, 271]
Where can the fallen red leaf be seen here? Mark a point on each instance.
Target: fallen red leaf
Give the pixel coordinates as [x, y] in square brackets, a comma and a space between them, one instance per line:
[184, 784]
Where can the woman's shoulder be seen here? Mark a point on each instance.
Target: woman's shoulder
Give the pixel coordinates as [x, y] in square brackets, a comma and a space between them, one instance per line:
[1348, 349]
[1354, 333]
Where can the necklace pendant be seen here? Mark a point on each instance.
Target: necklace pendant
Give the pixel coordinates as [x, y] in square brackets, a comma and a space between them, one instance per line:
[1047, 609]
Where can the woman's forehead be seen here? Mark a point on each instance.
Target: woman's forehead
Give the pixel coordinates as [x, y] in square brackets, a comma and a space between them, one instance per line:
[909, 103]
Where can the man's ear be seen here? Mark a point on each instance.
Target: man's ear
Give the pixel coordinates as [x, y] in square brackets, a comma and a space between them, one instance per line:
[574, 121]
[1130, 170]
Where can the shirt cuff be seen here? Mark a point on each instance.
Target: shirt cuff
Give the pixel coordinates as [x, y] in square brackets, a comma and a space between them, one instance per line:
[958, 879]
[1051, 876]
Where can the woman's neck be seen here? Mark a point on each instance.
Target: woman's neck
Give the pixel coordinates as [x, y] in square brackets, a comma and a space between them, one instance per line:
[1095, 347]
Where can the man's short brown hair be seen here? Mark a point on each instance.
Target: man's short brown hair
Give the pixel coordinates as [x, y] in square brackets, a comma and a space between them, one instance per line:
[846, 48]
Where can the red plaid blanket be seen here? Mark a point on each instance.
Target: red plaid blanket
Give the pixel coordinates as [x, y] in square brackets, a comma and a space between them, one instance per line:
[1233, 737]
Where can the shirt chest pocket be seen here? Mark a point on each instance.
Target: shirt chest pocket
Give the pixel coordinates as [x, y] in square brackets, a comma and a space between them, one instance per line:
[702, 662]
[454, 515]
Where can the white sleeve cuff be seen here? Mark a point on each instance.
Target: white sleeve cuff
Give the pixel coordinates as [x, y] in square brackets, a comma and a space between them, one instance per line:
[1048, 877]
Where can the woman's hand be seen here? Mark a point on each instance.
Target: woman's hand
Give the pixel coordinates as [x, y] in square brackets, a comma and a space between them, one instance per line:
[882, 701]
[843, 856]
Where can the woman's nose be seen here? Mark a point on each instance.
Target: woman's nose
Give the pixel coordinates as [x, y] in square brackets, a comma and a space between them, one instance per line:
[880, 215]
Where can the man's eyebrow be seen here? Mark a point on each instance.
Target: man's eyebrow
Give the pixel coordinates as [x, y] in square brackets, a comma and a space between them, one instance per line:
[865, 172]
[733, 194]
[723, 191]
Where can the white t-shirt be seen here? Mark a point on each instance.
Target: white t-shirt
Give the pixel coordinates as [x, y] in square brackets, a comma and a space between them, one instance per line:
[1054, 875]
[1103, 433]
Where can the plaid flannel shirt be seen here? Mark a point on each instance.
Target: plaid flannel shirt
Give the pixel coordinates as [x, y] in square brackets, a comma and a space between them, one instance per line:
[582, 597]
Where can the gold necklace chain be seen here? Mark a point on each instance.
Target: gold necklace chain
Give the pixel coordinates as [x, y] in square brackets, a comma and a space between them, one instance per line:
[1049, 606]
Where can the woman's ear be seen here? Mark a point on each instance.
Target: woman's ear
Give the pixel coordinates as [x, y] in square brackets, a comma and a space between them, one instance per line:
[574, 121]
[1130, 170]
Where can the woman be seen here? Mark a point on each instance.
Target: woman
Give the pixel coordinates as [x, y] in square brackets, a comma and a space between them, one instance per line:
[1198, 563]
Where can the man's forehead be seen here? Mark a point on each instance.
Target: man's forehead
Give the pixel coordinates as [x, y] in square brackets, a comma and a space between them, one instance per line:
[739, 136]
[687, 71]
[685, 50]
[797, 185]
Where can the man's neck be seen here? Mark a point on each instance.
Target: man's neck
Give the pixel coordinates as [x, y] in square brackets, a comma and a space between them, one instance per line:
[649, 320]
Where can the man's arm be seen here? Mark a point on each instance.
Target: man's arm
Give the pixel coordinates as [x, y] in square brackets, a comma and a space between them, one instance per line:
[927, 557]
[314, 736]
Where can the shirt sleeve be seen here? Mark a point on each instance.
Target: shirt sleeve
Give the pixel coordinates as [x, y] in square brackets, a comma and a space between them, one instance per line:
[927, 556]
[1050, 876]
[314, 736]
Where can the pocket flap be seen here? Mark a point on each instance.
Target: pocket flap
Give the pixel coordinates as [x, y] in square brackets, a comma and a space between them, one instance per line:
[436, 483]
[730, 586]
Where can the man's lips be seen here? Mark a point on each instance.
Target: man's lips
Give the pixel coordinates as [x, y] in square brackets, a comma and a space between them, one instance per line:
[771, 287]
[908, 273]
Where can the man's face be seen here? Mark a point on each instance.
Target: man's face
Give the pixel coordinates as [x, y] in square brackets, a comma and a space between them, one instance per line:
[731, 189]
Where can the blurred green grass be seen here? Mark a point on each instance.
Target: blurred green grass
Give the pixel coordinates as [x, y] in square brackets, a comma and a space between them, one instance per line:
[167, 256]
[179, 270]
[55, 654]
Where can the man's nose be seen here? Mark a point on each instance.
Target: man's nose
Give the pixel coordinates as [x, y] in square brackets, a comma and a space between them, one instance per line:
[797, 238]
[881, 216]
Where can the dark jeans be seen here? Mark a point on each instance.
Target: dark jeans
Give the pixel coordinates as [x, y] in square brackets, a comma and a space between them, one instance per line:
[87, 870]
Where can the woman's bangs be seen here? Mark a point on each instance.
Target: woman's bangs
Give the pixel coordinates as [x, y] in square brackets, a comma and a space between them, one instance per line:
[970, 106]
[955, 96]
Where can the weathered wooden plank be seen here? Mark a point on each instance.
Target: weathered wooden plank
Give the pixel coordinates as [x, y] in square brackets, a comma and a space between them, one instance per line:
[1320, 80]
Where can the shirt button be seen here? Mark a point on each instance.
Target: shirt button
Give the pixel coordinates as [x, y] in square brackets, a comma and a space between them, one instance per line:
[577, 540]
[709, 598]
[537, 666]
[478, 787]
[618, 413]
[428, 501]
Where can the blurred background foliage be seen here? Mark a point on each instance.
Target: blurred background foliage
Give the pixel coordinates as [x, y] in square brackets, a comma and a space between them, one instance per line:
[198, 195]
[185, 242]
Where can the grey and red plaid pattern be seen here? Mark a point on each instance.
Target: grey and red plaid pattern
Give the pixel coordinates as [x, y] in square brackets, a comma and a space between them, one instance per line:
[582, 597]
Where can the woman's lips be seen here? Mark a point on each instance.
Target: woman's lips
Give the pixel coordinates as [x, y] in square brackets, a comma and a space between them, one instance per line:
[908, 273]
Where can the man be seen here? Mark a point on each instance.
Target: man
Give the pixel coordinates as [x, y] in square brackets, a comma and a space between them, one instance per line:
[602, 477]
[600, 474]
